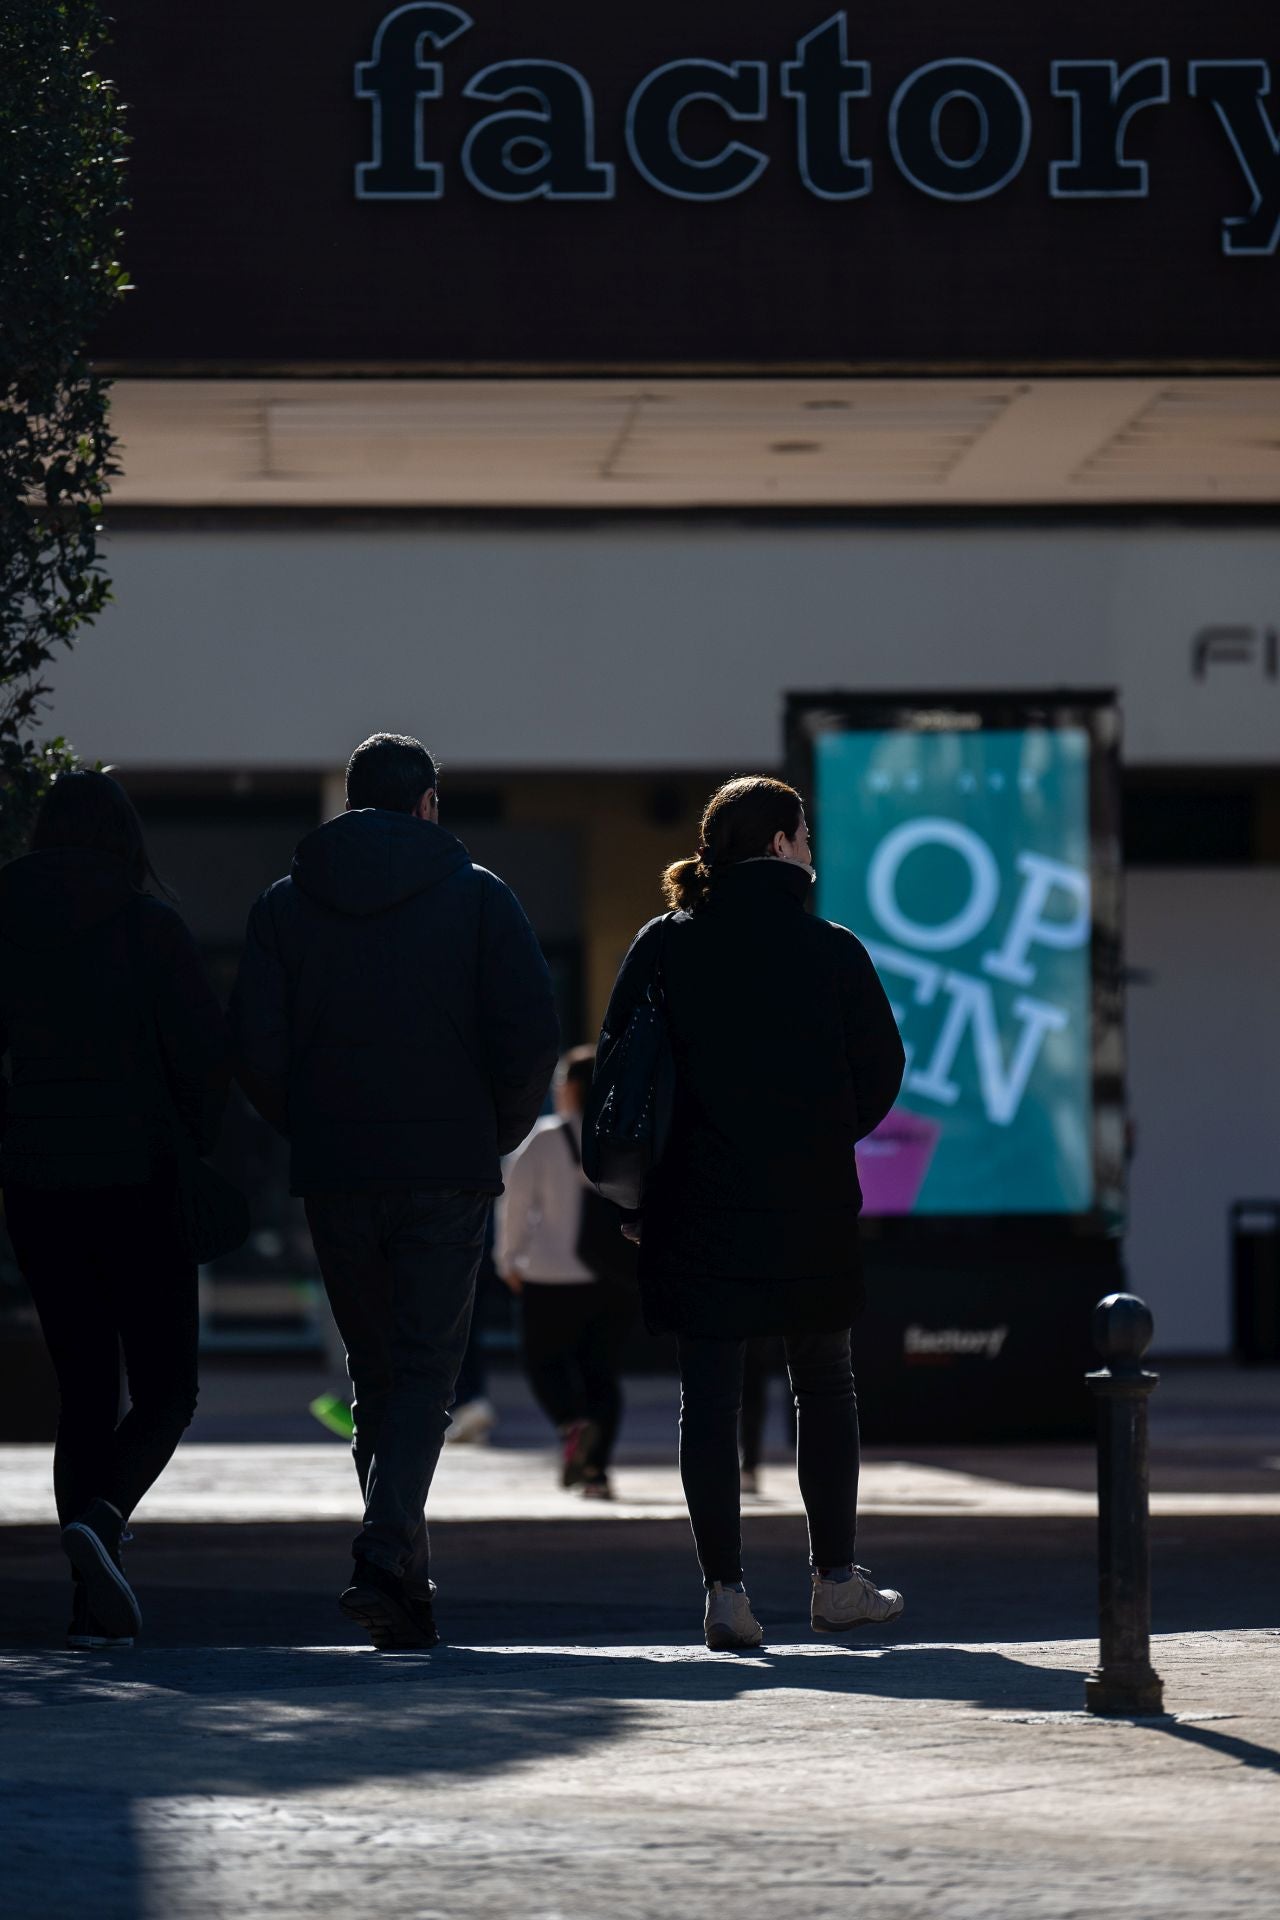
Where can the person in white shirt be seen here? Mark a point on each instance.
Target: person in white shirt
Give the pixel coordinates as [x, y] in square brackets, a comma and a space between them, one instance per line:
[559, 1246]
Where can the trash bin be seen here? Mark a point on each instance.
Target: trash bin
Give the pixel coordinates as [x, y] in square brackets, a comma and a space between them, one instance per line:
[1255, 1270]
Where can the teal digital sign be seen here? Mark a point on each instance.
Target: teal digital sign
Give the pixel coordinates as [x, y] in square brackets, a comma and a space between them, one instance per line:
[961, 858]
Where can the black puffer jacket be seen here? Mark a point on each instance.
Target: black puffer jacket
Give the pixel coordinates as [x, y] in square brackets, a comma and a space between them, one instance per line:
[393, 1013]
[786, 1055]
[85, 960]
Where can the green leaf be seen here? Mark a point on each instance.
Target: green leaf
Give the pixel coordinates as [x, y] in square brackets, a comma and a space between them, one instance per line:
[63, 196]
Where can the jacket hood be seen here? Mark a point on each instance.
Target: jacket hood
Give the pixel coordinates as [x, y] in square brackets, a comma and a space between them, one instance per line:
[369, 861]
[60, 893]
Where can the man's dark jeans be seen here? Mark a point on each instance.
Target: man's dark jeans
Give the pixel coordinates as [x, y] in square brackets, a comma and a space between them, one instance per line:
[827, 1449]
[400, 1271]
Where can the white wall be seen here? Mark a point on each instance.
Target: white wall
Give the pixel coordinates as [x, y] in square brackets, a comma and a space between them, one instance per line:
[1204, 1081]
[617, 645]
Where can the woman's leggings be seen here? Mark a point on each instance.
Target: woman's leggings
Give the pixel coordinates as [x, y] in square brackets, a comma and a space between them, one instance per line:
[827, 1452]
[109, 1273]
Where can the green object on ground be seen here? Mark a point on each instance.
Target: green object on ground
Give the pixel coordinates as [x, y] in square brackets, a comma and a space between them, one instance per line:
[335, 1414]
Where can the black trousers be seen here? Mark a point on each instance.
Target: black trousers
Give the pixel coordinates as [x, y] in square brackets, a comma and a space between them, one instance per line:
[764, 1358]
[400, 1271]
[573, 1339]
[827, 1446]
[109, 1271]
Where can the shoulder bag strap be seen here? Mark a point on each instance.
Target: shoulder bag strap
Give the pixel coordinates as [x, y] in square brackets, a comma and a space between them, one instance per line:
[656, 991]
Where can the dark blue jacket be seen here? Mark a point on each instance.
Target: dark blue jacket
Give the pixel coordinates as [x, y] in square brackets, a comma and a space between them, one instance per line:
[393, 1012]
[100, 987]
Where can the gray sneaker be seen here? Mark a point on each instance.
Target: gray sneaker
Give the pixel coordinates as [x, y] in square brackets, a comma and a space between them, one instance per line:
[839, 1605]
[730, 1623]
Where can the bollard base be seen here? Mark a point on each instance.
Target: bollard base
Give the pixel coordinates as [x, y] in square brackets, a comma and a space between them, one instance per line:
[1126, 1692]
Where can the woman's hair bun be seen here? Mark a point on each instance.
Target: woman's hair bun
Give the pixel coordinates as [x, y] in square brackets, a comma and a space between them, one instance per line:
[685, 883]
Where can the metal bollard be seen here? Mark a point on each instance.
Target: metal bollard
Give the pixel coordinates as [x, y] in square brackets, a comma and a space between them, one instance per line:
[1125, 1681]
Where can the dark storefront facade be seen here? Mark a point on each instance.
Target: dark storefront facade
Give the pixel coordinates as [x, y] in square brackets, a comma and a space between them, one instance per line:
[573, 387]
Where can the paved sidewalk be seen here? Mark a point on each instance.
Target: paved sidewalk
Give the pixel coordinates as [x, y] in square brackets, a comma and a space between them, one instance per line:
[580, 1757]
[897, 1781]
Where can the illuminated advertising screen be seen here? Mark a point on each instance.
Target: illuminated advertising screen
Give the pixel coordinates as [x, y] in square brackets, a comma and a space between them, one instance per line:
[961, 843]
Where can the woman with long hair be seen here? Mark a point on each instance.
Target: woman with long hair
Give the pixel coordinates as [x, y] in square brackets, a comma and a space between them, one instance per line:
[115, 1042]
[786, 1054]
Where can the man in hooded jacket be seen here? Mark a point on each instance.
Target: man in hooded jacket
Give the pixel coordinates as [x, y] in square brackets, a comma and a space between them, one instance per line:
[393, 1017]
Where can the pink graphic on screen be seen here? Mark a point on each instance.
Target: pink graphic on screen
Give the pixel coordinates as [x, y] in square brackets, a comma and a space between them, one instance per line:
[893, 1161]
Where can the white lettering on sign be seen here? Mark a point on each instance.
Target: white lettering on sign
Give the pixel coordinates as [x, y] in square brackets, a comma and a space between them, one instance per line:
[1045, 880]
[970, 1013]
[1051, 913]
[984, 884]
[958, 129]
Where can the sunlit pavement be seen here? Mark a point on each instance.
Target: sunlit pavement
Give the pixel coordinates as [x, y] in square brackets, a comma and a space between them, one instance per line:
[211, 1483]
[255, 1455]
[576, 1755]
[577, 1781]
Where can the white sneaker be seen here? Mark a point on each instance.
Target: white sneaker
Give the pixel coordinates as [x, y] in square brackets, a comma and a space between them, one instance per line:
[839, 1605]
[730, 1622]
[472, 1424]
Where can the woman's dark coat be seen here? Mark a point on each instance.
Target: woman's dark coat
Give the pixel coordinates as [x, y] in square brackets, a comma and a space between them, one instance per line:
[786, 1054]
[90, 969]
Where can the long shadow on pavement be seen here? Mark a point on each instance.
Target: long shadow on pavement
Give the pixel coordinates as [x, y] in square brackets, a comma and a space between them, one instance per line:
[99, 1747]
[96, 1743]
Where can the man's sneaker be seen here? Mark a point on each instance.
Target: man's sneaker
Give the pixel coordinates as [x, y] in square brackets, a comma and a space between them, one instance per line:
[472, 1423]
[730, 1622]
[85, 1634]
[92, 1545]
[581, 1438]
[426, 1634]
[394, 1618]
[839, 1605]
[596, 1487]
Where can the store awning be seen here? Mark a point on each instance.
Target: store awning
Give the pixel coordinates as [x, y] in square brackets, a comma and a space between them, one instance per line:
[726, 443]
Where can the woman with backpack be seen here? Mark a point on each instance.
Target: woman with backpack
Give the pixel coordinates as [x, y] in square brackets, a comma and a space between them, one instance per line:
[117, 1076]
[785, 1054]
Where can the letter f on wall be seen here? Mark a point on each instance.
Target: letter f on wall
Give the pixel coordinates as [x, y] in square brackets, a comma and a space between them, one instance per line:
[397, 78]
